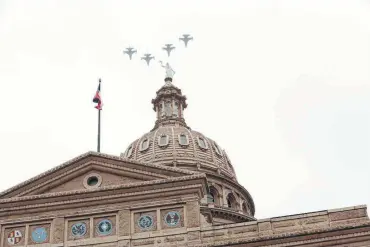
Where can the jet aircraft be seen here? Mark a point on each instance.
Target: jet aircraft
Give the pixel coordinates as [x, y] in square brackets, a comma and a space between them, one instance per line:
[186, 38]
[168, 48]
[147, 57]
[130, 51]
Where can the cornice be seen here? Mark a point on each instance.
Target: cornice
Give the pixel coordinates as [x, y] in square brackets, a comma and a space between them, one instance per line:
[219, 212]
[102, 199]
[74, 172]
[105, 188]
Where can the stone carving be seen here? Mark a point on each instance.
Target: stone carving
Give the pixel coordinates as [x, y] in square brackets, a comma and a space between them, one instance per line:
[58, 226]
[124, 224]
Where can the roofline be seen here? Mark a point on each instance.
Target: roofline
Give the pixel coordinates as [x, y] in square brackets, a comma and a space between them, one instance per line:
[94, 154]
[106, 188]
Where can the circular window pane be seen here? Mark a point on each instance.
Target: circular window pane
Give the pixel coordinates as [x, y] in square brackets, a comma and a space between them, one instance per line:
[92, 181]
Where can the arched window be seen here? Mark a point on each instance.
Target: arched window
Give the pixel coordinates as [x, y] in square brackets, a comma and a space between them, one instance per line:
[202, 142]
[231, 201]
[176, 109]
[128, 152]
[212, 196]
[163, 140]
[144, 145]
[168, 108]
[183, 139]
[245, 208]
[217, 149]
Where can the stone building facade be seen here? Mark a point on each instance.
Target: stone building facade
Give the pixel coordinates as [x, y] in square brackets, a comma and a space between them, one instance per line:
[173, 186]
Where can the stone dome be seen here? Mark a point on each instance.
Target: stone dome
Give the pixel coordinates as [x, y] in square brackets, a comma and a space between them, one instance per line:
[177, 145]
[173, 143]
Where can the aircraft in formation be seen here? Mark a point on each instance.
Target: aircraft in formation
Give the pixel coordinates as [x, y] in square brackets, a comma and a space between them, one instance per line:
[186, 38]
[167, 47]
[130, 51]
[147, 57]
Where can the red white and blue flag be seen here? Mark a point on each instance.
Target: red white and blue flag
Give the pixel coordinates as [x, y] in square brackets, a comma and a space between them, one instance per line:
[97, 98]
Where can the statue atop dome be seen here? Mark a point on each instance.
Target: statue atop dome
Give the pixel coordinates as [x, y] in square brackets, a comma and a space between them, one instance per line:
[169, 71]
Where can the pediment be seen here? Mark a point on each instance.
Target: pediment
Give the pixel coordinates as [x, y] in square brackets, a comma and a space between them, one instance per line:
[93, 178]
[92, 170]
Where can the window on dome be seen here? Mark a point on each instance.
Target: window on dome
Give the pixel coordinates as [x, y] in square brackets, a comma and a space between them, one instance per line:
[183, 140]
[210, 198]
[176, 109]
[128, 151]
[245, 208]
[231, 201]
[144, 145]
[217, 149]
[202, 143]
[168, 109]
[163, 140]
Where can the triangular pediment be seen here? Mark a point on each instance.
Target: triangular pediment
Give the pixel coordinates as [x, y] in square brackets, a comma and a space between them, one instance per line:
[92, 170]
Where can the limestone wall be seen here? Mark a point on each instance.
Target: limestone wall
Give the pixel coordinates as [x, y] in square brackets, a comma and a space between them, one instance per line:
[180, 225]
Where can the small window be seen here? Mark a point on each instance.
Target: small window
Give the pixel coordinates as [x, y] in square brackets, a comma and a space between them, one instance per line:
[183, 140]
[168, 109]
[245, 208]
[217, 149]
[231, 201]
[163, 140]
[128, 151]
[144, 145]
[210, 198]
[92, 181]
[229, 204]
[176, 109]
[202, 142]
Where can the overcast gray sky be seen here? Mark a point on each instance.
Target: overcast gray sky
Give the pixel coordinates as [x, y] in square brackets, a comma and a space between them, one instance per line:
[283, 86]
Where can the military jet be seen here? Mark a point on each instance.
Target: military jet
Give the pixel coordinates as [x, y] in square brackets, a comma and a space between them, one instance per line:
[186, 38]
[168, 48]
[147, 57]
[130, 51]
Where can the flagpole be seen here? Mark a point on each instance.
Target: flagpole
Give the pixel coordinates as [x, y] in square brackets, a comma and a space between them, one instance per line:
[99, 113]
[99, 110]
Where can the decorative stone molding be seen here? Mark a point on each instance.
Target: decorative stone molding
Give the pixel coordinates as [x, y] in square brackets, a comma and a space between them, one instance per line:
[193, 214]
[58, 230]
[87, 181]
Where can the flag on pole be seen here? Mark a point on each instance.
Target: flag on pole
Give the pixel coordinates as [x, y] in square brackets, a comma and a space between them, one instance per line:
[97, 98]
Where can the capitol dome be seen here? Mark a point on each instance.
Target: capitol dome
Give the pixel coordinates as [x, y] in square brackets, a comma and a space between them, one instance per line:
[173, 143]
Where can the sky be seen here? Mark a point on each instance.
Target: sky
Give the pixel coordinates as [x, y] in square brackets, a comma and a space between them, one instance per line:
[282, 86]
